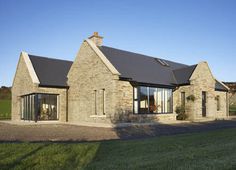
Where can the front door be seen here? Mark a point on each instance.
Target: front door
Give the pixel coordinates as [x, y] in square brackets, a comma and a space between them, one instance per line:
[203, 104]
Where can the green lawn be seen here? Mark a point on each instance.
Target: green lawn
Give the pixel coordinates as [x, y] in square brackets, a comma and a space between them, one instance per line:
[232, 108]
[5, 109]
[208, 150]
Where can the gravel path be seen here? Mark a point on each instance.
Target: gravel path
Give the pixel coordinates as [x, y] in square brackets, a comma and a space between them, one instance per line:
[63, 132]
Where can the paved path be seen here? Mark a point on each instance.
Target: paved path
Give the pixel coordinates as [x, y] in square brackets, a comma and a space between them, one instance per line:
[65, 132]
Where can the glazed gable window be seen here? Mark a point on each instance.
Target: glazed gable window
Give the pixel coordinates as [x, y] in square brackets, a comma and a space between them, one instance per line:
[152, 100]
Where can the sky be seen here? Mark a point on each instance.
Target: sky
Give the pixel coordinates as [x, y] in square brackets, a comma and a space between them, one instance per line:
[186, 31]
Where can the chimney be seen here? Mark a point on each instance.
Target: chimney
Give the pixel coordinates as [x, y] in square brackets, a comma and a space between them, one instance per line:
[96, 39]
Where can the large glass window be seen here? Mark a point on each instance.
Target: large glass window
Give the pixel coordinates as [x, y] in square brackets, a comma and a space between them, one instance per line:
[47, 107]
[136, 99]
[143, 100]
[39, 107]
[152, 100]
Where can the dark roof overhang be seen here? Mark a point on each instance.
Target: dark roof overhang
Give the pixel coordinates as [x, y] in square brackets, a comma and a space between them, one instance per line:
[54, 86]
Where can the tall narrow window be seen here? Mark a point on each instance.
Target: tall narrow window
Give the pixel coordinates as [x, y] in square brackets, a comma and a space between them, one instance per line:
[152, 100]
[169, 100]
[22, 107]
[135, 99]
[159, 100]
[95, 102]
[183, 99]
[103, 101]
[144, 100]
[218, 102]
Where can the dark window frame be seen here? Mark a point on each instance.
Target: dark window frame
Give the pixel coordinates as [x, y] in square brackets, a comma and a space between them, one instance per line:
[31, 103]
[183, 98]
[218, 102]
[103, 102]
[95, 102]
[162, 97]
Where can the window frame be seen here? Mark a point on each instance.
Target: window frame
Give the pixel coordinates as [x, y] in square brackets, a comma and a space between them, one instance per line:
[103, 102]
[31, 103]
[183, 99]
[218, 103]
[163, 97]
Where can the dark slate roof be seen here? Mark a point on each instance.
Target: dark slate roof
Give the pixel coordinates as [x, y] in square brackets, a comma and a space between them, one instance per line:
[220, 87]
[142, 68]
[183, 75]
[51, 72]
[132, 66]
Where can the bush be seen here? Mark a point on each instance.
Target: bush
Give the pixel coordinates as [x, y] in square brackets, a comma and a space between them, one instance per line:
[191, 98]
[181, 115]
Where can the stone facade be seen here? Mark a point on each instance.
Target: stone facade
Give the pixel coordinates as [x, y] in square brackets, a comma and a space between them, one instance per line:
[23, 85]
[202, 80]
[89, 75]
[89, 78]
[97, 95]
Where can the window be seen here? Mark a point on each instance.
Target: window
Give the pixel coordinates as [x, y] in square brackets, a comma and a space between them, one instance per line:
[39, 107]
[218, 102]
[95, 102]
[135, 99]
[162, 62]
[103, 101]
[47, 107]
[150, 100]
[99, 102]
[183, 99]
[143, 100]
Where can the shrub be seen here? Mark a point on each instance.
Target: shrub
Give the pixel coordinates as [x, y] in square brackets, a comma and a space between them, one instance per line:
[181, 115]
[191, 98]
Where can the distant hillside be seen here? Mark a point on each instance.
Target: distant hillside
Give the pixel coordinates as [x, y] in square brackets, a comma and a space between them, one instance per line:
[5, 93]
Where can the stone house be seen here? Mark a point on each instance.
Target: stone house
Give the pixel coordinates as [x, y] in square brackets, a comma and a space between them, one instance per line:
[108, 85]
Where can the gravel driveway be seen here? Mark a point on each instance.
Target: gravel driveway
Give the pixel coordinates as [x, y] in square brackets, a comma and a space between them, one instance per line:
[66, 132]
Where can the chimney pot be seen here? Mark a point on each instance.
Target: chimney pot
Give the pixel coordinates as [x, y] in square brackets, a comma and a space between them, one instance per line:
[95, 33]
[96, 39]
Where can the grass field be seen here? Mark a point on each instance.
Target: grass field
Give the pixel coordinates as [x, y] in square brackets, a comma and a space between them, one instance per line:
[208, 150]
[232, 109]
[5, 109]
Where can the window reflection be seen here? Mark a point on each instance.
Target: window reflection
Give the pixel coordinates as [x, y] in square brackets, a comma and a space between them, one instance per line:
[152, 100]
[143, 99]
[47, 107]
[39, 107]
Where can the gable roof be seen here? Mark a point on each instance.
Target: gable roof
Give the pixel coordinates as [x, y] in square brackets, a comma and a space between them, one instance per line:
[220, 87]
[51, 72]
[130, 66]
[142, 68]
[183, 75]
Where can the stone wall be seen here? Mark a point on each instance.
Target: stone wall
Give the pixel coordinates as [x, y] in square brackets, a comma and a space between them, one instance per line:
[23, 85]
[89, 79]
[202, 80]
[222, 113]
[189, 105]
[87, 76]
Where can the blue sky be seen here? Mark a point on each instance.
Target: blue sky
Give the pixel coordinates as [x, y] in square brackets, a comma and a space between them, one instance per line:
[187, 31]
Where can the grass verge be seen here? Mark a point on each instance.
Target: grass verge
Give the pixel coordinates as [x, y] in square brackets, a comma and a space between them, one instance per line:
[207, 150]
[5, 109]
